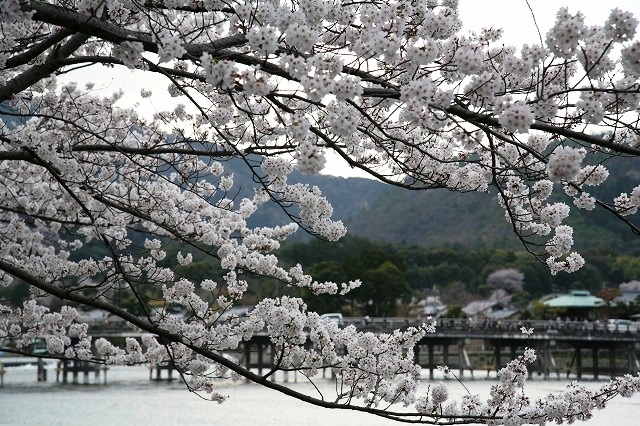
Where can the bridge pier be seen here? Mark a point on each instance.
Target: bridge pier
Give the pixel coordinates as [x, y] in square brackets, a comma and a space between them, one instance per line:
[75, 367]
[632, 361]
[496, 356]
[259, 347]
[41, 371]
[612, 361]
[444, 352]
[159, 368]
[430, 362]
[461, 359]
[548, 361]
[615, 350]
[578, 353]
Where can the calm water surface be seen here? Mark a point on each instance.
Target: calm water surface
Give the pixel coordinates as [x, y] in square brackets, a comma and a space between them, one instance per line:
[130, 398]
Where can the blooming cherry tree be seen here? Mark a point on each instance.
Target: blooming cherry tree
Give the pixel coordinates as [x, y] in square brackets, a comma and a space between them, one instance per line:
[393, 87]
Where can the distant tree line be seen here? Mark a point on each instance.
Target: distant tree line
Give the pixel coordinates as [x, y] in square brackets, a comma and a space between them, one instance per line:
[392, 272]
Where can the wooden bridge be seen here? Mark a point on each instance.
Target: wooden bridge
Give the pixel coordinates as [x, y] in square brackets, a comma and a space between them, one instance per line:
[576, 348]
[581, 349]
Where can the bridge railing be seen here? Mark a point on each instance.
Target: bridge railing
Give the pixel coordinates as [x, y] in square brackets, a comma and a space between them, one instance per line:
[481, 326]
[115, 326]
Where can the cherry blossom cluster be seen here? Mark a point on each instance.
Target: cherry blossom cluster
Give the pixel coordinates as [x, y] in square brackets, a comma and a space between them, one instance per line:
[564, 38]
[368, 365]
[393, 86]
[34, 321]
[508, 404]
[628, 204]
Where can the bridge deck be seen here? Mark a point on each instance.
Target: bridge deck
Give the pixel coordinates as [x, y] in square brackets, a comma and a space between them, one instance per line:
[592, 347]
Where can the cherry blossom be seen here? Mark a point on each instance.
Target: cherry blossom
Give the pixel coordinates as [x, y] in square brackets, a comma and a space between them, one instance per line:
[105, 193]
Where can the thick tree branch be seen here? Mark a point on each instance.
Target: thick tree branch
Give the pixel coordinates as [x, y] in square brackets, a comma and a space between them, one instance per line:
[39, 48]
[38, 72]
[95, 27]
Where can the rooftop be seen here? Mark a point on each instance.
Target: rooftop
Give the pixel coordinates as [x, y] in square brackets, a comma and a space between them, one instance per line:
[575, 299]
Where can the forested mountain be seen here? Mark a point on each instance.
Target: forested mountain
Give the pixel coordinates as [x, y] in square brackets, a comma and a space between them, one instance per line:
[379, 212]
[440, 217]
[349, 196]
[435, 218]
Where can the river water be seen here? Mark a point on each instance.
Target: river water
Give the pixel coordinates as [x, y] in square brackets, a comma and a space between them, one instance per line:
[130, 398]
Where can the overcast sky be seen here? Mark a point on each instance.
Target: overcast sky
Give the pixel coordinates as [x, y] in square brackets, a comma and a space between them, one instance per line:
[515, 17]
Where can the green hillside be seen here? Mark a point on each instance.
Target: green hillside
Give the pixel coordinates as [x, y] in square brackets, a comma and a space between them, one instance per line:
[435, 218]
[379, 212]
[472, 220]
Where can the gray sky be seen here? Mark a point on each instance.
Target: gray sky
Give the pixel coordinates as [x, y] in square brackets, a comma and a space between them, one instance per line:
[514, 16]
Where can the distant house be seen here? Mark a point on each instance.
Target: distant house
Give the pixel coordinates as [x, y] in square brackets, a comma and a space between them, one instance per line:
[430, 306]
[94, 315]
[496, 307]
[577, 304]
[628, 292]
